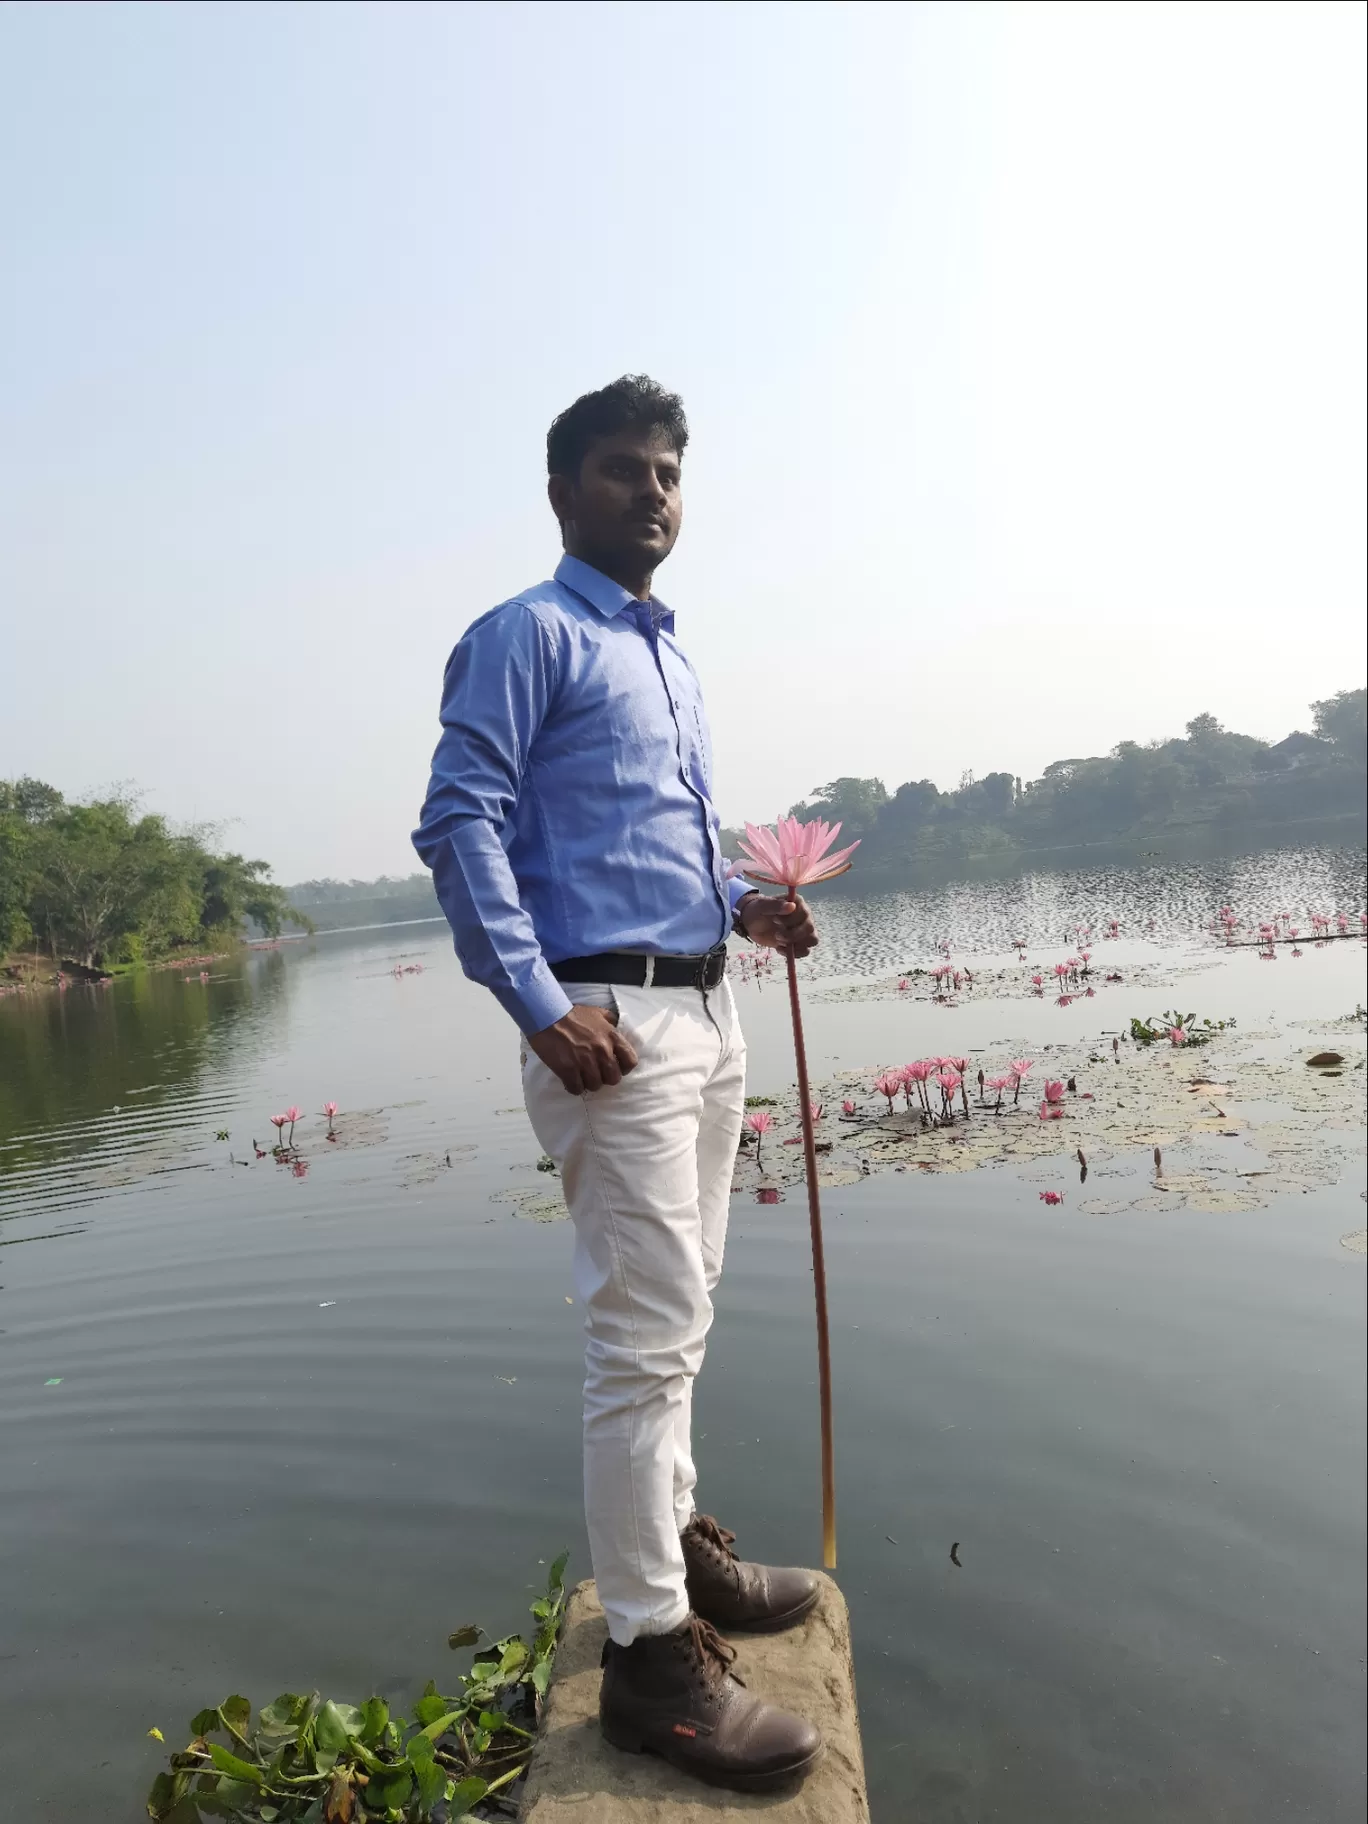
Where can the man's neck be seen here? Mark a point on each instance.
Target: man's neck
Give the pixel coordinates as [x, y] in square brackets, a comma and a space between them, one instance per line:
[636, 582]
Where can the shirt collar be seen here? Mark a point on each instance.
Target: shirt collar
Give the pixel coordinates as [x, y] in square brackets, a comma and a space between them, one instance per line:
[607, 597]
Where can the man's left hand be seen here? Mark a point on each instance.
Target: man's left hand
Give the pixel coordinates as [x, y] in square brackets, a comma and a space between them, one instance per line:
[779, 923]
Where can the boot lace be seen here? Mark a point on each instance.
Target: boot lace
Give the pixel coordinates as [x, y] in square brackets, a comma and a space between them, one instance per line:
[713, 1656]
[721, 1541]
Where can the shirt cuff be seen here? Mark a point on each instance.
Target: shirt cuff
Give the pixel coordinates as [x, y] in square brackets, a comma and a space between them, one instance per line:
[737, 889]
[535, 1004]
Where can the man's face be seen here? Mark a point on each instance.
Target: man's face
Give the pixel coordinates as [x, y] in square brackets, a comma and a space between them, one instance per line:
[625, 504]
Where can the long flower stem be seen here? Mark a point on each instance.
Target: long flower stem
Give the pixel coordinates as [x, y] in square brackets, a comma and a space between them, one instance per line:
[818, 1275]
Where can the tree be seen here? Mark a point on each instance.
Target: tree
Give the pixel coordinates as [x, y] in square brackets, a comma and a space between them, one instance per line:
[853, 803]
[1342, 719]
[1202, 727]
[101, 883]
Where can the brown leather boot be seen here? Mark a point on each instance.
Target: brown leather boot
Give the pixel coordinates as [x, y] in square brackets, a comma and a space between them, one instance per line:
[675, 1695]
[732, 1594]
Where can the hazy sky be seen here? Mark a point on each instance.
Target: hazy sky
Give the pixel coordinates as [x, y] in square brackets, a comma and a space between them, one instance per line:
[1023, 348]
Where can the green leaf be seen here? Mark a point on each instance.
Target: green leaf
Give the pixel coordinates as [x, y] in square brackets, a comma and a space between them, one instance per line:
[429, 1708]
[541, 1676]
[337, 1723]
[237, 1715]
[420, 1751]
[290, 1711]
[555, 1581]
[205, 1722]
[466, 1793]
[392, 1790]
[439, 1727]
[374, 1720]
[233, 1765]
[432, 1779]
[466, 1636]
[162, 1796]
[514, 1655]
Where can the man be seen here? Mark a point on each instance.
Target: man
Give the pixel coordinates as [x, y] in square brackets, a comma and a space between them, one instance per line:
[571, 833]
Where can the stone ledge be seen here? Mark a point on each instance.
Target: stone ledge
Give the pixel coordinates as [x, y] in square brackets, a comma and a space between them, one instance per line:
[577, 1778]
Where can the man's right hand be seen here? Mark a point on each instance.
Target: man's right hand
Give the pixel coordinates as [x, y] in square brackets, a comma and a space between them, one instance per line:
[585, 1049]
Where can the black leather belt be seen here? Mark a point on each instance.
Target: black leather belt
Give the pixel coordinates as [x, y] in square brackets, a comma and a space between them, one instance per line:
[627, 971]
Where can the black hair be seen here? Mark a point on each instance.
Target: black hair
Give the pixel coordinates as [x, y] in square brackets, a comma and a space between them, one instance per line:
[633, 402]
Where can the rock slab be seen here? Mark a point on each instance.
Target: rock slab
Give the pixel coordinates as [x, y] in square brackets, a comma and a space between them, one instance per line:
[576, 1778]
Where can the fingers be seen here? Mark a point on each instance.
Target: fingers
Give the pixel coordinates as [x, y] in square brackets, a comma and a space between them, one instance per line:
[626, 1053]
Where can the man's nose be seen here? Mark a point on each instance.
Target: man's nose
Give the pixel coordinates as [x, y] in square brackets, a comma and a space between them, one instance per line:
[653, 489]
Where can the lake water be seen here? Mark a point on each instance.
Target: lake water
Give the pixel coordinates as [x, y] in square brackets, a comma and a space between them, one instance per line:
[264, 1431]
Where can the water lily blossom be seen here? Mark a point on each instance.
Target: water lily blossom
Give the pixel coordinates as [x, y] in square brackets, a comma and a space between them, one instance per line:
[793, 854]
[1052, 1197]
[759, 1121]
[888, 1085]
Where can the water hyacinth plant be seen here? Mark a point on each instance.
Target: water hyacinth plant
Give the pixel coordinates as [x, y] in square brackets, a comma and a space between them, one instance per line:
[795, 855]
[312, 1760]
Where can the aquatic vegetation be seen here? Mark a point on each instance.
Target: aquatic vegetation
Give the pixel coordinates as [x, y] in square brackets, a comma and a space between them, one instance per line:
[310, 1759]
[1178, 1029]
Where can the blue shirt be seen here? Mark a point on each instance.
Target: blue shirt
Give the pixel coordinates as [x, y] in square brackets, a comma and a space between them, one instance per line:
[570, 806]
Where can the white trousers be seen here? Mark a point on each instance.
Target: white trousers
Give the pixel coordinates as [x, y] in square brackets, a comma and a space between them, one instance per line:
[647, 1170]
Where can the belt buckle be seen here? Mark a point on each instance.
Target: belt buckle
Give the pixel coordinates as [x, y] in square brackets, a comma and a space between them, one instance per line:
[717, 955]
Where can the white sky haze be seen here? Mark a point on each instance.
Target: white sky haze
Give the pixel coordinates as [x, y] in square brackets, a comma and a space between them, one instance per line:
[1022, 346]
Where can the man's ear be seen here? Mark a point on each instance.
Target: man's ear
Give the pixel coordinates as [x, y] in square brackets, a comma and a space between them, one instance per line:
[560, 492]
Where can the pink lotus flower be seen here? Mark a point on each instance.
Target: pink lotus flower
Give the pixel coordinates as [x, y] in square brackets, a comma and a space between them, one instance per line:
[1038, 981]
[1052, 1111]
[949, 1081]
[888, 1085]
[916, 1073]
[902, 984]
[329, 1110]
[1054, 1090]
[1052, 1196]
[847, 1107]
[793, 854]
[999, 1084]
[292, 1115]
[815, 1110]
[1019, 1067]
[278, 1121]
[759, 1121]
[1177, 1036]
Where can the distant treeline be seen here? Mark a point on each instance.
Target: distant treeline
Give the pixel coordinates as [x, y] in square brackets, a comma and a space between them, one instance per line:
[1209, 779]
[100, 883]
[332, 905]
